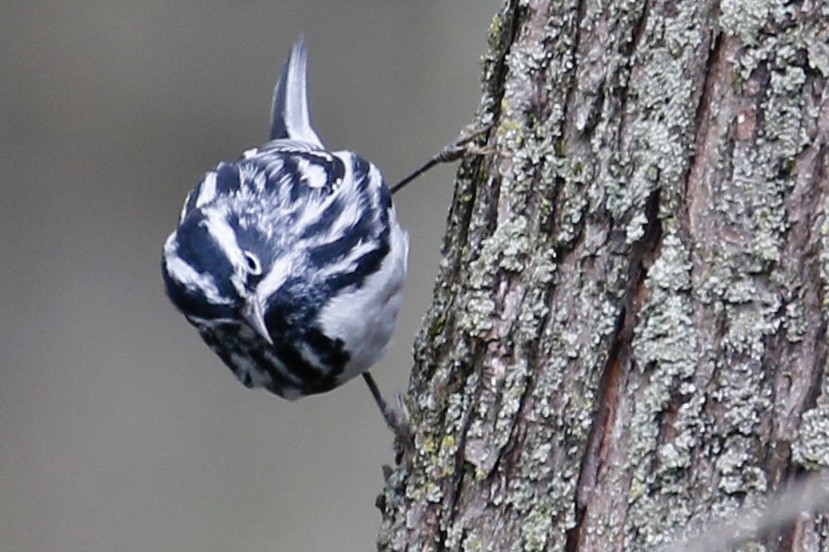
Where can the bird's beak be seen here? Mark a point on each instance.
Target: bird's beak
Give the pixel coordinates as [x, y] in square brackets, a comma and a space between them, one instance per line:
[254, 313]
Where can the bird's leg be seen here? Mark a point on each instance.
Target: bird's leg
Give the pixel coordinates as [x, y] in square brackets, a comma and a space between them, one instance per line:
[396, 418]
[451, 152]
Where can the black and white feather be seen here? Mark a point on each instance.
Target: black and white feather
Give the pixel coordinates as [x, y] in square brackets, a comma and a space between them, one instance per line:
[290, 260]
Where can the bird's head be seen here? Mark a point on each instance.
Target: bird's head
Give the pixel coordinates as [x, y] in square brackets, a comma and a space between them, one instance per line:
[212, 266]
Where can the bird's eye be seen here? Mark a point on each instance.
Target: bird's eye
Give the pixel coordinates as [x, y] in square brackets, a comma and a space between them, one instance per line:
[253, 263]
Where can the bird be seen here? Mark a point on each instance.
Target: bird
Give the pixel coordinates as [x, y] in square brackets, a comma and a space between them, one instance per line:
[290, 261]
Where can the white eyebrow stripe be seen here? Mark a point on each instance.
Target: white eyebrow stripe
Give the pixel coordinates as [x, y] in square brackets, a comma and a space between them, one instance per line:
[277, 276]
[188, 276]
[224, 236]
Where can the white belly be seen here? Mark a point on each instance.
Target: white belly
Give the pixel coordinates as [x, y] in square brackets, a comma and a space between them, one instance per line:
[366, 317]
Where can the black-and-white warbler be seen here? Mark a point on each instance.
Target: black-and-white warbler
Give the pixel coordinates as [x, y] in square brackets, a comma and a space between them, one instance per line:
[290, 261]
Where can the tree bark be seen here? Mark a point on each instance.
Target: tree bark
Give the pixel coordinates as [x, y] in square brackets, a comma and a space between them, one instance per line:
[628, 336]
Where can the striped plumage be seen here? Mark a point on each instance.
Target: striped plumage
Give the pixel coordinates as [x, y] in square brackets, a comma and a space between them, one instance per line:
[290, 260]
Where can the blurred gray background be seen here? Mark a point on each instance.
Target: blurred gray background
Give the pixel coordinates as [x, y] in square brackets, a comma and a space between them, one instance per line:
[119, 429]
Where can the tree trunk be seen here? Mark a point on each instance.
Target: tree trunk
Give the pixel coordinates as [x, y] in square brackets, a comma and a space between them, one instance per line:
[628, 336]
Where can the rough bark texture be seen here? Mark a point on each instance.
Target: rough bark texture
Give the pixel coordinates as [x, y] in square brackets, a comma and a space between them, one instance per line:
[628, 338]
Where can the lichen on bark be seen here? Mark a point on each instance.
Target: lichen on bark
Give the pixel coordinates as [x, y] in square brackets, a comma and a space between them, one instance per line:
[629, 321]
